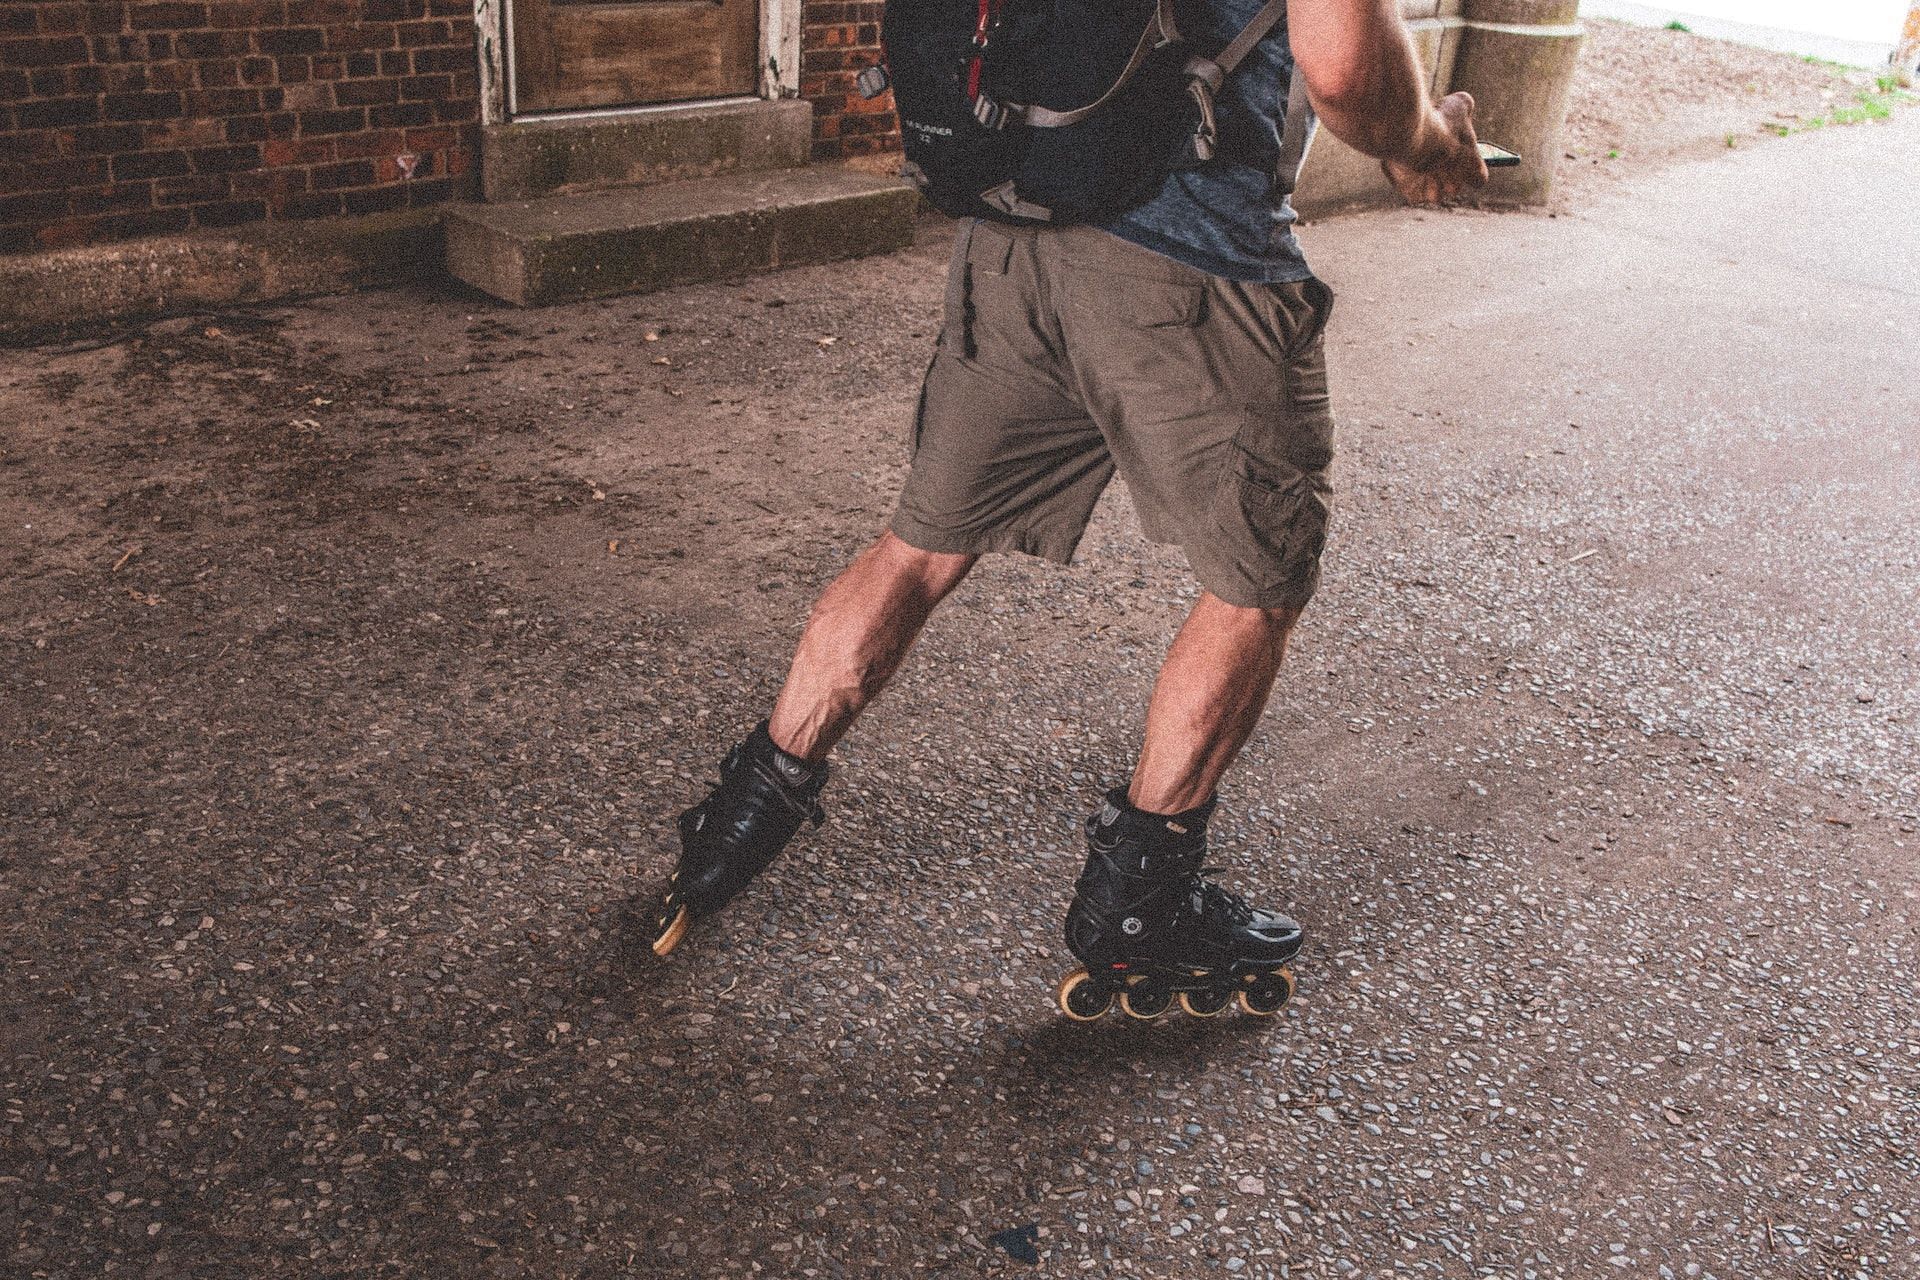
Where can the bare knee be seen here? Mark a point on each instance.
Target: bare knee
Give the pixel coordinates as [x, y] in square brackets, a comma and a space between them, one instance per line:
[926, 577]
[1273, 621]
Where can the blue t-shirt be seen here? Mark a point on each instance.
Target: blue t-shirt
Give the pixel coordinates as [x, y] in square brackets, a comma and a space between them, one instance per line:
[1227, 219]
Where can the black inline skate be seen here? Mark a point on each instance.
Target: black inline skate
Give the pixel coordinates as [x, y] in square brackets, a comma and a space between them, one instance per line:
[1148, 926]
[729, 838]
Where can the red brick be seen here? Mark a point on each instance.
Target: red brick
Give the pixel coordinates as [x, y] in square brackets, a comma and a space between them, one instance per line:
[348, 120]
[101, 139]
[42, 53]
[57, 112]
[60, 19]
[101, 18]
[284, 40]
[414, 35]
[184, 133]
[149, 164]
[167, 15]
[170, 75]
[376, 36]
[319, 13]
[426, 88]
[431, 139]
[269, 183]
[405, 115]
[279, 152]
[246, 14]
[306, 97]
[138, 195]
[220, 102]
[376, 199]
[229, 213]
[426, 61]
[142, 224]
[191, 188]
[314, 204]
[348, 173]
[142, 106]
[213, 44]
[220, 74]
[45, 204]
[372, 144]
[226, 159]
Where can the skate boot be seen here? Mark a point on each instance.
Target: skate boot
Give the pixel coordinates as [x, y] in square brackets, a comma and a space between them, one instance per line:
[1149, 927]
[743, 824]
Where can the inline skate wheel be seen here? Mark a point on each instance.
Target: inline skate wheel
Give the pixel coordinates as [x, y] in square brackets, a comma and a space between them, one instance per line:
[1144, 998]
[1205, 1004]
[1081, 998]
[673, 927]
[1268, 994]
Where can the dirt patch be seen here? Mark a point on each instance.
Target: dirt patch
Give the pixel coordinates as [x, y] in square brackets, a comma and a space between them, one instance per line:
[1644, 98]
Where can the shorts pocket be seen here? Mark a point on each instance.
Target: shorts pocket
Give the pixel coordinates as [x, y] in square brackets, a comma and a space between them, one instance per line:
[976, 281]
[1271, 517]
[1166, 307]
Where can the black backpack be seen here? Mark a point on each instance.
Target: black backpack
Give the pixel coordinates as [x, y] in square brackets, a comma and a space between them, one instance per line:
[1057, 110]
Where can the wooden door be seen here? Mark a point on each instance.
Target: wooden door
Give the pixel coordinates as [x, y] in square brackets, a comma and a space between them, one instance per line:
[572, 54]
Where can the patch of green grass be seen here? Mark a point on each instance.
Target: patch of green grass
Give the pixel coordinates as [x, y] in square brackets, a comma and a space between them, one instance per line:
[1613, 155]
[1677, 25]
[1876, 103]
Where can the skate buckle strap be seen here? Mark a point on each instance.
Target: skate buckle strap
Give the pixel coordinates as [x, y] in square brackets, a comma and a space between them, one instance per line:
[806, 806]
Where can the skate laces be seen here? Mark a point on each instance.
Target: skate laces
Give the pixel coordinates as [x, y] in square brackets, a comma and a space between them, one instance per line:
[1215, 898]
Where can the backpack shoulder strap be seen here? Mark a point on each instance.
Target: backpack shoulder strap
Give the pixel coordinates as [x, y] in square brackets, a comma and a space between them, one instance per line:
[1250, 35]
[1296, 134]
[1158, 31]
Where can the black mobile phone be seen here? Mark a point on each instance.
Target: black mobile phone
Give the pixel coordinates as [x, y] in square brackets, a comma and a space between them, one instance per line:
[1497, 157]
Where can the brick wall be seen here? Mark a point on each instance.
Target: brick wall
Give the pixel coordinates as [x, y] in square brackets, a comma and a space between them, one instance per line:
[838, 40]
[137, 116]
[127, 117]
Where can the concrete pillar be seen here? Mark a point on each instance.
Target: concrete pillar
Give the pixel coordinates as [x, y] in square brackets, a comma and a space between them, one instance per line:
[1516, 58]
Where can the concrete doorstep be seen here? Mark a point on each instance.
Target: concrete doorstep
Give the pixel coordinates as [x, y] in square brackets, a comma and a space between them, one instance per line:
[44, 293]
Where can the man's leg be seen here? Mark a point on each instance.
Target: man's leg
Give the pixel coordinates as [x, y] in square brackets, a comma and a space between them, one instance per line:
[1145, 927]
[860, 632]
[1211, 691]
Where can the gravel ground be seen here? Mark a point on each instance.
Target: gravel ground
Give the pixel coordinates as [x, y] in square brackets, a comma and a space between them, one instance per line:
[357, 654]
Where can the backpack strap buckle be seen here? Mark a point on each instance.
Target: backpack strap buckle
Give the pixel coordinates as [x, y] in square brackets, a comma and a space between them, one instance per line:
[990, 113]
[1010, 202]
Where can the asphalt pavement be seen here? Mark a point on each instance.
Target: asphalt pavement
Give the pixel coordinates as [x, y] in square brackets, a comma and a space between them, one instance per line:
[359, 652]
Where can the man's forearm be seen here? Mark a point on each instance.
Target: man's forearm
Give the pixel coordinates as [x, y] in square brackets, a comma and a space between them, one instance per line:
[1366, 81]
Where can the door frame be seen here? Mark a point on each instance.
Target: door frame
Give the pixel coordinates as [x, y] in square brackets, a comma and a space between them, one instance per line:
[779, 64]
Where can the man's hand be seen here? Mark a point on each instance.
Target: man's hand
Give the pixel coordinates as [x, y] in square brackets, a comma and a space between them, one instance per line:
[1446, 161]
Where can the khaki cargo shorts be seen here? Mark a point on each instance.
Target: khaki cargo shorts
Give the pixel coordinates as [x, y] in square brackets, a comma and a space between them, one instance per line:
[1068, 353]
